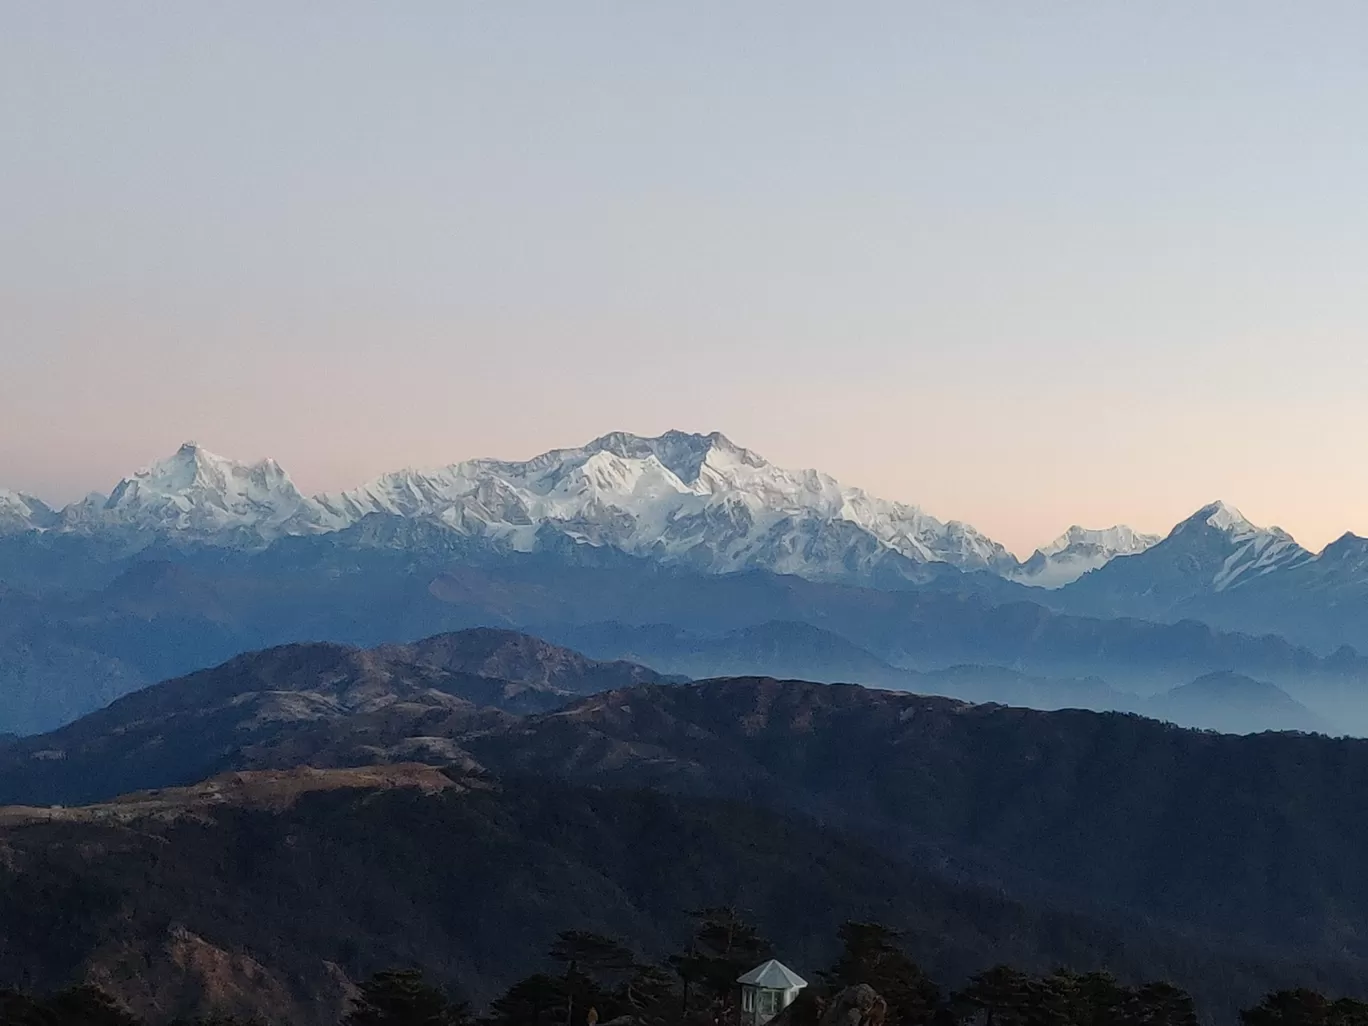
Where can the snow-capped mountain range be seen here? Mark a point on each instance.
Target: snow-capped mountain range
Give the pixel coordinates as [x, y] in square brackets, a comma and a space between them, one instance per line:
[685, 499]
[698, 500]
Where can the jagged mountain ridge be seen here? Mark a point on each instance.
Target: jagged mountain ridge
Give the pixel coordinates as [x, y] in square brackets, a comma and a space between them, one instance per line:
[1216, 549]
[679, 498]
[1219, 568]
[691, 499]
[197, 496]
[696, 500]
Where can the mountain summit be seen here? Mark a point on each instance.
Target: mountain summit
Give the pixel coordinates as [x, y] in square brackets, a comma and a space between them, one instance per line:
[1079, 550]
[682, 499]
[1208, 563]
[684, 454]
[688, 499]
[20, 512]
[1220, 531]
[199, 496]
[695, 500]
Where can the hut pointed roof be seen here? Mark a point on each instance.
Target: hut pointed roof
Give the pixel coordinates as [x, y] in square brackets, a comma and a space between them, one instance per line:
[772, 975]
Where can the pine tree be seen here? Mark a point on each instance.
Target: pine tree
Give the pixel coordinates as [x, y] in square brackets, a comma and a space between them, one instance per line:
[595, 966]
[1089, 999]
[724, 946]
[400, 997]
[872, 955]
[1160, 1004]
[528, 1002]
[1002, 993]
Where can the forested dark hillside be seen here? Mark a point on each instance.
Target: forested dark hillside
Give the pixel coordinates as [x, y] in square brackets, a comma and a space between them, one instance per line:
[263, 894]
[1257, 837]
[1262, 836]
[1228, 864]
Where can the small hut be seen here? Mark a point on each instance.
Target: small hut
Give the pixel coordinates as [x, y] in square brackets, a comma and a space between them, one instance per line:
[767, 990]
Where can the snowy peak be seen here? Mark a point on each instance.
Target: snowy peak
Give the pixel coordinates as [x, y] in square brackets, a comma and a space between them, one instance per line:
[1229, 521]
[698, 500]
[195, 470]
[1245, 551]
[682, 453]
[1215, 549]
[1078, 551]
[20, 512]
[1223, 517]
[205, 497]
[681, 498]
[1117, 541]
[608, 475]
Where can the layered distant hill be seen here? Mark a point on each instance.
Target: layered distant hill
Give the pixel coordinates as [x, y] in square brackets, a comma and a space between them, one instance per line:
[324, 704]
[1224, 701]
[64, 655]
[310, 704]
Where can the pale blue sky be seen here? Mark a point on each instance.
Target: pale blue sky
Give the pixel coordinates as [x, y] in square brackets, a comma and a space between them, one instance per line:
[1026, 264]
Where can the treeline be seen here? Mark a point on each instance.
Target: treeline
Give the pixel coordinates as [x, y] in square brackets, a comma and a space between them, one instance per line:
[593, 980]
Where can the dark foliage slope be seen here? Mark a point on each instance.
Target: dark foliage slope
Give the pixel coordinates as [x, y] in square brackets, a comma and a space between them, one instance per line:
[1260, 836]
[190, 904]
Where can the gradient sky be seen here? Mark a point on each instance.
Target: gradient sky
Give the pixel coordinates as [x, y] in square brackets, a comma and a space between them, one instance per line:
[1024, 264]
